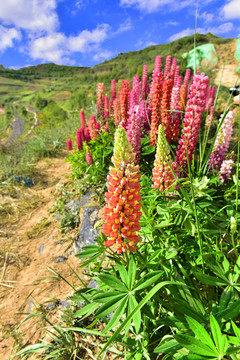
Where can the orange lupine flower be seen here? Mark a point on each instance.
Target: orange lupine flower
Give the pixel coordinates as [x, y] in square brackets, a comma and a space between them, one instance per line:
[121, 213]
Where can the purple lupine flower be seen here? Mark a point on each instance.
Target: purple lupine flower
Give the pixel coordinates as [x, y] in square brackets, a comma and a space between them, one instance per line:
[222, 143]
[192, 121]
[225, 170]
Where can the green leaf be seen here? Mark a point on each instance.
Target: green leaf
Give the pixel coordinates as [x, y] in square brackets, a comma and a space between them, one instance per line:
[230, 312]
[149, 295]
[236, 270]
[86, 310]
[113, 282]
[122, 272]
[225, 298]
[190, 226]
[210, 280]
[117, 316]
[216, 332]
[131, 271]
[200, 332]
[109, 306]
[104, 297]
[195, 346]
[33, 349]
[236, 330]
[142, 284]
[136, 317]
[168, 347]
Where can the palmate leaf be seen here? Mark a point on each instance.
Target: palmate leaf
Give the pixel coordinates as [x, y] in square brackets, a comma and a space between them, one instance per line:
[86, 310]
[195, 346]
[131, 272]
[236, 330]
[216, 332]
[117, 316]
[210, 280]
[148, 280]
[236, 271]
[132, 304]
[110, 306]
[231, 312]
[169, 347]
[106, 296]
[123, 273]
[200, 333]
[113, 282]
[225, 298]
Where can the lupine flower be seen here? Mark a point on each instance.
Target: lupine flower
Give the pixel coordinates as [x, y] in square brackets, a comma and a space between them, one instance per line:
[175, 116]
[156, 70]
[89, 157]
[121, 213]
[192, 120]
[135, 92]
[184, 89]
[82, 118]
[80, 138]
[107, 127]
[176, 76]
[162, 175]
[92, 127]
[144, 81]
[117, 112]
[173, 66]
[87, 136]
[222, 142]
[165, 106]
[100, 101]
[225, 170]
[124, 101]
[156, 107]
[134, 128]
[69, 144]
[167, 66]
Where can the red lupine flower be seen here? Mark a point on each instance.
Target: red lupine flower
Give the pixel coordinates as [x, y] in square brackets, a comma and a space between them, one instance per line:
[165, 105]
[144, 81]
[117, 112]
[69, 144]
[113, 90]
[100, 101]
[106, 107]
[124, 101]
[121, 213]
[82, 118]
[92, 127]
[79, 138]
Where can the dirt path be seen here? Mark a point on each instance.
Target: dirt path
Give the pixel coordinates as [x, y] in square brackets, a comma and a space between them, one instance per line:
[30, 246]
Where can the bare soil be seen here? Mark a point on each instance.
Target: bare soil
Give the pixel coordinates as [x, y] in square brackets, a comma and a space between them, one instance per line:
[28, 246]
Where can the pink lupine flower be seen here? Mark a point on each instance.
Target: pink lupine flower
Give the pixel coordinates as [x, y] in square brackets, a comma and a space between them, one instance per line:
[222, 143]
[225, 170]
[156, 70]
[107, 127]
[167, 66]
[100, 101]
[175, 115]
[176, 76]
[121, 213]
[192, 121]
[82, 118]
[134, 128]
[144, 81]
[156, 107]
[173, 66]
[69, 144]
[89, 157]
[162, 174]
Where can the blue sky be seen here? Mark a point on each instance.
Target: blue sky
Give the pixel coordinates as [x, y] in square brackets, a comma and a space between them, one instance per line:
[87, 32]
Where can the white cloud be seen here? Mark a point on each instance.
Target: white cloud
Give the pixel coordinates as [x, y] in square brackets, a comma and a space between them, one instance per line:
[146, 5]
[57, 47]
[127, 25]
[7, 35]
[216, 30]
[171, 23]
[231, 10]
[86, 40]
[207, 17]
[103, 55]
[31, 15]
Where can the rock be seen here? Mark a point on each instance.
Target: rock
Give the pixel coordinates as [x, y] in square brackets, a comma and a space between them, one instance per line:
[59, 259]
[51, 306]
[86, 198]
[30, 305]
[87, 233]
[41, 248]
[64, 304]
[93, 285]
[73, 205]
